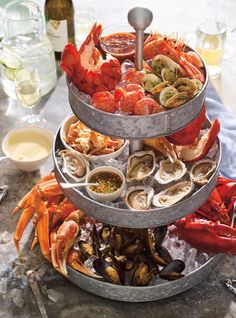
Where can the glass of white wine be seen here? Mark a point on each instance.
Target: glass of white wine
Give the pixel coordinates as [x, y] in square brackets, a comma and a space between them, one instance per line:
[27, 86]
[211, 35]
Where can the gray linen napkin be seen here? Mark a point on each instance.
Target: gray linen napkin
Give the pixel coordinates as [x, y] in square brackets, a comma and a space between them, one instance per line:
[215, 109]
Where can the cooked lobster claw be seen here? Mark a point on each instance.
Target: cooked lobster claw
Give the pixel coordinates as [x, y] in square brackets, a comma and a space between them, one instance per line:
[188, 134]
[207, 235]
[210, 228]
[199, 150]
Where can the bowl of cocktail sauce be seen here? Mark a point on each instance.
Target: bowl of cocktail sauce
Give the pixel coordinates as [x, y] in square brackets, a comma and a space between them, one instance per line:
[119, 41]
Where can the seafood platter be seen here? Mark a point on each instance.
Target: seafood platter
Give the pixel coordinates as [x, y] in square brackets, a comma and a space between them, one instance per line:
[133, 225]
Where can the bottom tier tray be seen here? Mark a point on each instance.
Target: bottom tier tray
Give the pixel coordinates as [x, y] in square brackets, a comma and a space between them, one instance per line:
[161, 290]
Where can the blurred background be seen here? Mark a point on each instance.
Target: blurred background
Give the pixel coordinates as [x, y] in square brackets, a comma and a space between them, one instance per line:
[171, 16]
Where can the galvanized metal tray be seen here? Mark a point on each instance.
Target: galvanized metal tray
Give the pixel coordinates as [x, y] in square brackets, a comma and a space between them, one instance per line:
[162, 289]
[136, 127]
[125, 217]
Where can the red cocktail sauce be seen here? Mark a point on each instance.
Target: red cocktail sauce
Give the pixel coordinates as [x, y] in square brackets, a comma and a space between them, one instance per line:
[120, 44]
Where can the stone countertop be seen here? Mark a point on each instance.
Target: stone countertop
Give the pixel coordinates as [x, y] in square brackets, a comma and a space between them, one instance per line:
[210, 298]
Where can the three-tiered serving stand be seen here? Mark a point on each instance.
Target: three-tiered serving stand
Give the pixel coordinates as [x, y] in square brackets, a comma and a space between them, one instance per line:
[137, 128]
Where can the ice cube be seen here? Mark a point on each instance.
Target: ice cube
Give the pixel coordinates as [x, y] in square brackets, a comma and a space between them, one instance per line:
[5, 237]
[81, 95]
[203, 258]
[190, 261]
[85, 98]
[55, 296]
[126, 65]
[149, 181]
[89, 263]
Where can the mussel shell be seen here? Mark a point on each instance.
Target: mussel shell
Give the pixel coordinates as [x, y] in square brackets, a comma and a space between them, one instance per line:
[160, 233]
[173, 270]
[116, 242]
[107, 270]
[142, 274]
[86, 249]
[151, 247]
[164, 254]
[129, 265]
[105, 233]
[139, 197]
[202, 170]
[141, 165]
[133, 248]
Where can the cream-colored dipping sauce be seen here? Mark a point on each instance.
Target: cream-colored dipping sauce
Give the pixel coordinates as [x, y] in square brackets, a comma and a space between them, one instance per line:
[28, 145]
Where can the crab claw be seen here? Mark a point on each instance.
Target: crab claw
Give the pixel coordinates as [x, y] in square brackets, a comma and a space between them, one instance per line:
[75, 262]
[199, 150]
[207, 235]
[65, 238]
[188, 135]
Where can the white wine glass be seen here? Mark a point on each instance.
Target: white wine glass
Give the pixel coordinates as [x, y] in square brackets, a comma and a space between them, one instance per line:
[27, 87]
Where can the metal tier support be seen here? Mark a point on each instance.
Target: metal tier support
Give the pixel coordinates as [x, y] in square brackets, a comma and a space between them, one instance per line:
[139, 18]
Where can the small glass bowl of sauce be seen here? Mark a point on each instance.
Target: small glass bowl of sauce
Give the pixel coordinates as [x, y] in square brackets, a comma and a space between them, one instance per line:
[28, 147]
[111, 183]
[119, 41]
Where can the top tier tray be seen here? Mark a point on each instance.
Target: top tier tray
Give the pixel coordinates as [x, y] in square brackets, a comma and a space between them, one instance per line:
[136, 127]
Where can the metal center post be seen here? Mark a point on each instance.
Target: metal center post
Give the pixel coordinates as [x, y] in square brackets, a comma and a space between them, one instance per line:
[139, 18]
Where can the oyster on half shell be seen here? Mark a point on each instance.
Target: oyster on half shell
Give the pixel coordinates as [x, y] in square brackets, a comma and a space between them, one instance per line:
[140, 165]
[202, 170]
[173, 194]
[74, 165]
[170, 171]
[139, 198]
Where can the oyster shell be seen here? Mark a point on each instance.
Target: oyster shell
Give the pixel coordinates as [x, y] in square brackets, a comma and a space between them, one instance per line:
[76, 166]
[202, 170]
[170, 171]
[173, 194]
[140, 165]
[139, 198]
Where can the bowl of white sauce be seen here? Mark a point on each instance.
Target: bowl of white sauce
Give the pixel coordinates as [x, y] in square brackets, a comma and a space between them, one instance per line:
[28, 147]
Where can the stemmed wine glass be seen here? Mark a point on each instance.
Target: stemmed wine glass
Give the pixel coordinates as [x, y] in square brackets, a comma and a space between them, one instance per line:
[27, 86]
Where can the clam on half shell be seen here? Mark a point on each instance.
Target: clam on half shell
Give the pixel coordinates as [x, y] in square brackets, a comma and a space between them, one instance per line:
[139, 198]
[170, 171]
[202, 170]
[173, 194]
[74, 165]
[140, 165]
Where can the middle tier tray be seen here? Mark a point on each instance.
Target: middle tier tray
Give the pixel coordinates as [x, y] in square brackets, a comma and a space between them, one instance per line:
[121, 216]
